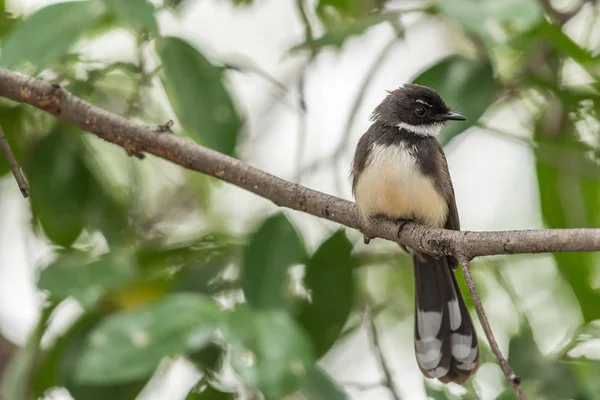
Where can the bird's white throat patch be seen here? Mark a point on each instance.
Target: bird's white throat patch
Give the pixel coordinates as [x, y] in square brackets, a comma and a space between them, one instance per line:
[425, 130]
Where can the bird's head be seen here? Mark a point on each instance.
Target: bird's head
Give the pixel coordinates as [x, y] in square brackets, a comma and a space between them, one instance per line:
[417, 109]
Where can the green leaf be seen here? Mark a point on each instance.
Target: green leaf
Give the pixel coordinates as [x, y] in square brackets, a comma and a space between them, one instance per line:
[198, 95]
[129, 345]
[570, 200]
[15, 383]
[337, 36]
[452, 78]
[270, 351]
[329, 280]
[271, 250]
[59, 182]
[332, 12]
[139, 14]
[57, 367]
[475, 15]
[551, 378]
[73, 275]
[49, 33]
[320, 386]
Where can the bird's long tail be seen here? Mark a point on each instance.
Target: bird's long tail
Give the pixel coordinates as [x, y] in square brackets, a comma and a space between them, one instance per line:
[445, 340]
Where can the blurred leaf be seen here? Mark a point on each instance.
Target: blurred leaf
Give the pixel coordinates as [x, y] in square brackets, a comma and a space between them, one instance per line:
[271, 250]
[74, 275]
[59, 181]
[475, 15]
[552, 379]
[16, 382]
[569, 200]
[320, 386]
[333, 12]
[139, 293]
[337, 36]
[452, 78]
[58, 367]
[129, 345]
[7, 19]
[270, 351]
[139, 14]
[329, 280]
[38, 40]
[200, 99]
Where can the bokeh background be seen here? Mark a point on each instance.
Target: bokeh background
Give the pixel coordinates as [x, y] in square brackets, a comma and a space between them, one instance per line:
[123, 278]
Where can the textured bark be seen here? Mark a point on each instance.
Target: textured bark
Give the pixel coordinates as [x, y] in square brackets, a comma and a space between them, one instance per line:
[137, 139]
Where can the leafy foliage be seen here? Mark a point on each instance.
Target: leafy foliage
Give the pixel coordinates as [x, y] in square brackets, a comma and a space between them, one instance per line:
[259, 301]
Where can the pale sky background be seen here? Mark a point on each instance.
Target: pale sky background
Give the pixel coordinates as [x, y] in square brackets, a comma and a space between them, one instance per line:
[494, 177]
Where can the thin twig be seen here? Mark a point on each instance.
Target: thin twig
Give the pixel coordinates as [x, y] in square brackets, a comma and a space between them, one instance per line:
[12, 163]
[372, 331]
[302, 116]
[506, 369]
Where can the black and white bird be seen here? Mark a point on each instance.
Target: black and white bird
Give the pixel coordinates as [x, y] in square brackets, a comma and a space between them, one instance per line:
[400, 171]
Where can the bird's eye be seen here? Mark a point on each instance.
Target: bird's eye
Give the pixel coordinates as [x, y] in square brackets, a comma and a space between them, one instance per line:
[421, 111]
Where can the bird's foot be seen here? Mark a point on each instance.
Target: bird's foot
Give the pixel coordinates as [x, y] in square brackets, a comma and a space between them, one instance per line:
[401, 223]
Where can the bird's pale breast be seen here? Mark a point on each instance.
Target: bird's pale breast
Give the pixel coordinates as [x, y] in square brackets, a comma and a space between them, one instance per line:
[392, 184]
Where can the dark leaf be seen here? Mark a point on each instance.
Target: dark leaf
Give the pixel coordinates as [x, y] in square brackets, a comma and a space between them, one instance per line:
[452, 78]
[138, 14]
[329, 280]
[271, 250]
[37, 39]
[60, 183]
[208, 359]
[198, 95]
[270, 351]
[129, 345]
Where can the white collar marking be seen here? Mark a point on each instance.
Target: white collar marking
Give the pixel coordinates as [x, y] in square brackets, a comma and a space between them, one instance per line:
[425, 130]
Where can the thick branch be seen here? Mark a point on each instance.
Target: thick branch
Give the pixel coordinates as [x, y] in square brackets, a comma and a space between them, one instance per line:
[136, 138]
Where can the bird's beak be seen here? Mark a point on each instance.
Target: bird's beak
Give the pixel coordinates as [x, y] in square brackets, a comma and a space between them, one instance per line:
[455, 116]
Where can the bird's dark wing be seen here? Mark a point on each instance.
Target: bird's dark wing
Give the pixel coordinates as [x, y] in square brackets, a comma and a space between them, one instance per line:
[452, 221]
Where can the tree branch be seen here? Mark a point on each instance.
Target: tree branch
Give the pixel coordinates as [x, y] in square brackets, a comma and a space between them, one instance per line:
[13, 164]
[514, 380]
[372, 331]
[137, 138]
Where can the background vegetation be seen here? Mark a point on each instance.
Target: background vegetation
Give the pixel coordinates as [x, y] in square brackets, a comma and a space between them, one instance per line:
[152, 270]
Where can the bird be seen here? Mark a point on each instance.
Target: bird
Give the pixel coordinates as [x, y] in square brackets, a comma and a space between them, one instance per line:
[400, 172]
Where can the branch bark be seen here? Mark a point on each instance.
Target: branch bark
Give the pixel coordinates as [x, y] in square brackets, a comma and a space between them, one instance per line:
[156, 140]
